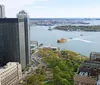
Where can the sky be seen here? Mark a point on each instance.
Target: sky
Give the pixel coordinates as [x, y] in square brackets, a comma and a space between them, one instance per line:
[53, 8]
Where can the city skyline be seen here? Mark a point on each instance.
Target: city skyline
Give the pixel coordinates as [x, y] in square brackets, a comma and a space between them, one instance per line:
[53, 8]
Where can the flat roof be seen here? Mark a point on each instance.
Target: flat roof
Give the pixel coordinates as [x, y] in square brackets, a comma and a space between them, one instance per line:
[8, 20]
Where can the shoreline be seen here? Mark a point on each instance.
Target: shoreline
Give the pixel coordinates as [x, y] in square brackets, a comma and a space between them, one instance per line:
[75, 31]
[78, 28]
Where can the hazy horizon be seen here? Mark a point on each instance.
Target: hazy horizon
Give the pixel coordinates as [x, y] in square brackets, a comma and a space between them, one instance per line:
[53, 8]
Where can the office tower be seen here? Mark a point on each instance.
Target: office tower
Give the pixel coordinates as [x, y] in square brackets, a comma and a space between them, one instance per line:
[10, 74]
[24, 34]
[2, 11]
[14, 40]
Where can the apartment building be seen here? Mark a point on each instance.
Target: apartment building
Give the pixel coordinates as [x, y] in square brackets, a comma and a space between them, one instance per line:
[88, 73]
[10, 74]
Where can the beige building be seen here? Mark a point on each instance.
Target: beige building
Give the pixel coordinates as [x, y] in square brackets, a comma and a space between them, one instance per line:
[10, 74]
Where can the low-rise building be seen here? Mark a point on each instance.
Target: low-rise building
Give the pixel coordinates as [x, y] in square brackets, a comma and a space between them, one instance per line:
[88, 73]
[10, 74]
[95, 56]
[49, 47]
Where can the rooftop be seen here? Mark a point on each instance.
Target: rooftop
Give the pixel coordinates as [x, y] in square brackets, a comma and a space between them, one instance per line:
[2, 5]
[90, 61]
[8, 66]
[22, 12]
[90, 68]
[95, 53]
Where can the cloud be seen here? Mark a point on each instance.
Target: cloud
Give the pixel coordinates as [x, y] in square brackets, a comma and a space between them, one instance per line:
[19, 3]
[42, 0]
[14, 6]
[50, 8]
[16, 3]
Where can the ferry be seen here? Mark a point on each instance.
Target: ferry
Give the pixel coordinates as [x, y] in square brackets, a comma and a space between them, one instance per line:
[81, 34]
[62, 40]
[70, 38]
[49, 29]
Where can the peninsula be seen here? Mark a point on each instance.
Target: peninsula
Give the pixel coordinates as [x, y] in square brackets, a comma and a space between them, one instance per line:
[79, 28]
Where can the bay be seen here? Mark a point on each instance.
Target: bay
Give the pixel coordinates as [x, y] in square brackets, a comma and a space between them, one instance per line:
[89, 42]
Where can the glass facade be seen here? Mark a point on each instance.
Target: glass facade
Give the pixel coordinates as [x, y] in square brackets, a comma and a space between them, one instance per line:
[22, 42]
[27, 39]
[0, 12]
[24, 25]
[9, 40]
[14, 41]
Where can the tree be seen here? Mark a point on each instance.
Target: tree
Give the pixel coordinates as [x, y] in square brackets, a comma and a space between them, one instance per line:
[33, 51]
[35, 79]
[63, 67]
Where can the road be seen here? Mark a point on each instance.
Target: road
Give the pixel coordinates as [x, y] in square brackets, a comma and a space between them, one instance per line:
[37, 59]
[32, 69]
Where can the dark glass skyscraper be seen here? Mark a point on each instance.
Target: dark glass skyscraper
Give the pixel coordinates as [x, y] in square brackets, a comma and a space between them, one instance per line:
[15, 39]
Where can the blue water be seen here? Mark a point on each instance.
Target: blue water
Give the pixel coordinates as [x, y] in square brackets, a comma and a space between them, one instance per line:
[89, 42]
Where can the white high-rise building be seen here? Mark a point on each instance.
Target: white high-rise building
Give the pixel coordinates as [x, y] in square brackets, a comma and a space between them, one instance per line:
[24, 37]
[2, 11]
[10, 74]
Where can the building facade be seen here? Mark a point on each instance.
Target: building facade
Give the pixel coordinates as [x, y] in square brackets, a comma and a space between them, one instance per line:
[24, 31]
[9, 41]
[15, 40]
[88, 73]
[2, 11]
[10, 74]
[95, 56]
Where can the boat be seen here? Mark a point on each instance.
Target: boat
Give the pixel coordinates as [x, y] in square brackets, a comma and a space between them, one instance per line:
[81, 34]
[49, 29]
[62, 40]
[70, 38]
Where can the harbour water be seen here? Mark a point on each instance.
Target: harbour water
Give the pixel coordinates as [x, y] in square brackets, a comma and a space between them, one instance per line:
[89, 42]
